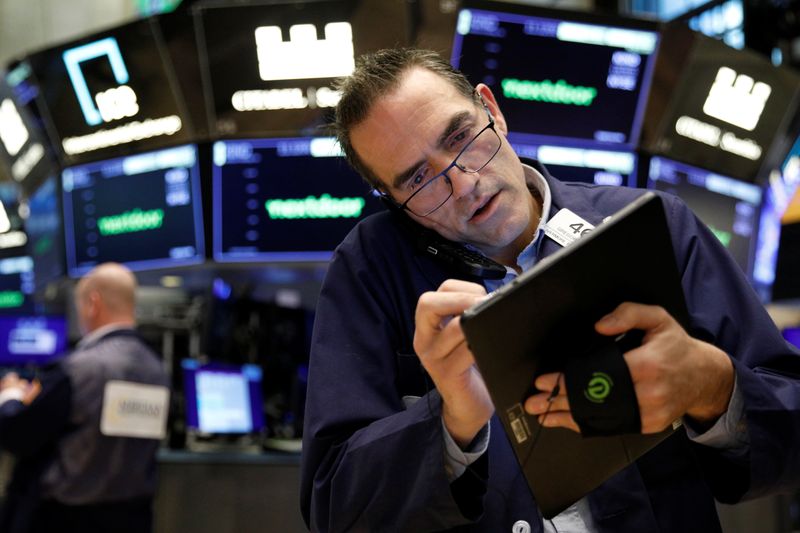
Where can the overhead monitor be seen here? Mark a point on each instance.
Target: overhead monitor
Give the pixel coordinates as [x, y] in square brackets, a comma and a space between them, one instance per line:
[25, 152]
[717, 107]
[291, 199]
[111, 93]
[730, 208]
[16, 286]
[559, 74]
[31, 340]
[222, 398]
[13, 236]
[269, 67]
[143, 210]
[586, 165]
[782, 186]
[177, 30]
[787, 264]
[45, 230]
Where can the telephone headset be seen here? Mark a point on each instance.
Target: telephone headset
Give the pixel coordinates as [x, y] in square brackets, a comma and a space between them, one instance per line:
[454, 255]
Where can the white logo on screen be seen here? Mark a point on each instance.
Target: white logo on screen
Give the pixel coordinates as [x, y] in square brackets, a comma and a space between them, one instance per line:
[116, 103]
[13, 132]
[112, 104]
[736, 99]
[5, 222]
[303, 55]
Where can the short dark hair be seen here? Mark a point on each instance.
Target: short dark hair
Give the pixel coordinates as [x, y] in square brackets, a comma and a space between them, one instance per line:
[375, 75]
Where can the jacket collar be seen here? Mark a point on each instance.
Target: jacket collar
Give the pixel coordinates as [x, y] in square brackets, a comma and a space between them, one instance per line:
[563, 196]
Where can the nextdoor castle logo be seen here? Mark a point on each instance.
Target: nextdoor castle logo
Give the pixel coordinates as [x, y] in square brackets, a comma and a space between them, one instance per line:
[303, 55]
[736, 99]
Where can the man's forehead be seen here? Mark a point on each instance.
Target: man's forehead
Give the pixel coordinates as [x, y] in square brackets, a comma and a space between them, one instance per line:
[424, 83]
[407, 121]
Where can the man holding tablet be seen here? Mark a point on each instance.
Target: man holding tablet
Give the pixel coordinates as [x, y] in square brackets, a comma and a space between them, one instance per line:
[400, 431]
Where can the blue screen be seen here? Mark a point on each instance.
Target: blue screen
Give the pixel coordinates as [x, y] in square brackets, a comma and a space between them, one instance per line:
[288, 199]
[730, 208]
[222, 398]
[31, 339]
[142, 210]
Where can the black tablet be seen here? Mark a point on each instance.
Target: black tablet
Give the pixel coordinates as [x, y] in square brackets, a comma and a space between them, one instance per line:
[546, 317]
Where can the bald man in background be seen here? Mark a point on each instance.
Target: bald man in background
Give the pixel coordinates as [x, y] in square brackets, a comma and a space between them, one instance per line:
[85, 434]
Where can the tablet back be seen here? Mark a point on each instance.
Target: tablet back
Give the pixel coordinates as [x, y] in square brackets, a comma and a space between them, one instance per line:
[533, 324]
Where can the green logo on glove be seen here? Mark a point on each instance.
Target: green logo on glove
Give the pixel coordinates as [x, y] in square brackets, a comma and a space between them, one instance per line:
[599, 387]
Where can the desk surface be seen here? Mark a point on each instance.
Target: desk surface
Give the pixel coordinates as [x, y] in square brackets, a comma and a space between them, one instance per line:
[229, 457]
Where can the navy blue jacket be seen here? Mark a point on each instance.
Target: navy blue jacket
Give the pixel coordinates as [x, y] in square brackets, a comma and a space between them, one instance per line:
[371, 464]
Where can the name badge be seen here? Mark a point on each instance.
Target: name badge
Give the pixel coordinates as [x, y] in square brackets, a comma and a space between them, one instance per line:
[566, 227]
[134, 410]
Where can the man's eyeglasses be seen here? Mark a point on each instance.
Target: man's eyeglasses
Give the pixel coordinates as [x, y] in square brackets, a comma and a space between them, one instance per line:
[433, 191]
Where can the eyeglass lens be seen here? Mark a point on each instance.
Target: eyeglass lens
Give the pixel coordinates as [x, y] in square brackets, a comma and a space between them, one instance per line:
[472, 158]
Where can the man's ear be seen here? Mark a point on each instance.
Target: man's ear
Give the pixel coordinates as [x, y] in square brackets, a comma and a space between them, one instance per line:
[491, 102]
[94, 302]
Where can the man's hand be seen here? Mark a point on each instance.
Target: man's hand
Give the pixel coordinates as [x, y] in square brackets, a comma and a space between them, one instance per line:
[28, 390]
[13, 381]
[673, 374]
[439, 342]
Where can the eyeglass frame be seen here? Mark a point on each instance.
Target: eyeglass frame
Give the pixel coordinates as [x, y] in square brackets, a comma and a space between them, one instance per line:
[454, 163]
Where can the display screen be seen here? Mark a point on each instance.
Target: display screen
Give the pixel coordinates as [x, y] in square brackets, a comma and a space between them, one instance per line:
[16, 285]
[730, 208]
[555, 75]
[269, 67]
[792, 335]
[142, 210]
[586, 165]
[112, 93]
[46, 233]
[284, 199]
[222, 398]
[24, 151]
[781, 187]
[36, 340]
[725, 109]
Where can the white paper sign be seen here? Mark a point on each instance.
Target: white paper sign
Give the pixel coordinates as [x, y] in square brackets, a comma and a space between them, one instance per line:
[134, 410]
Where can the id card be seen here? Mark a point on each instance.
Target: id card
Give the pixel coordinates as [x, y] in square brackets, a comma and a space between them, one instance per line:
[566, 227]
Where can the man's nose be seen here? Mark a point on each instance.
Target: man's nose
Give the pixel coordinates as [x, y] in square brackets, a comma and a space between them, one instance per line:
[463, 182]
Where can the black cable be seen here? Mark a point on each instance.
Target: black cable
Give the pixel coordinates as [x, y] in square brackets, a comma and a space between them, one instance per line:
[550, 399]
